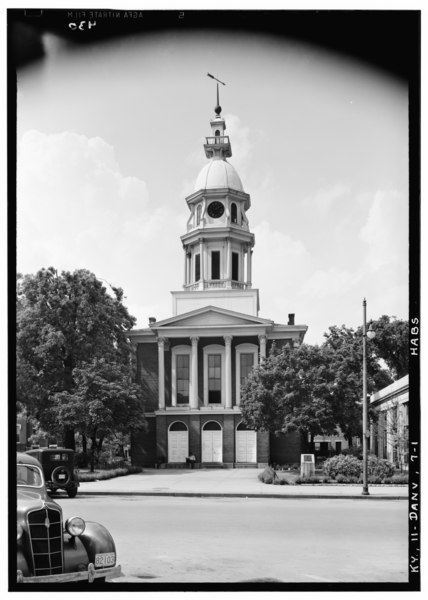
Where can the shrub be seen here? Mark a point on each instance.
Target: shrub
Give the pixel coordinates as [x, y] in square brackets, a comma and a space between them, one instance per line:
[319, 461]
[356, 451]
[108, 474]
[379, 467]
[374, 479]
[346, 465]
[400, 478]
[268, 475]
[311, 479]
[353, 479]
[280, 481]
[341, 478]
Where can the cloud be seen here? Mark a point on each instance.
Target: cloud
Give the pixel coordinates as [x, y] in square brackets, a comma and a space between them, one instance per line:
[330, 282]
[323, 201]
[280, 266]
[76, 209]
[385, 231]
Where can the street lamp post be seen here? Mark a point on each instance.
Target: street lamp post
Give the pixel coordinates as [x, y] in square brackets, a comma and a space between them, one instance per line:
[370, 334]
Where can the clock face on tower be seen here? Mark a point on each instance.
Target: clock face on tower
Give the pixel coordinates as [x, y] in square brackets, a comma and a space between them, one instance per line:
[215, 209]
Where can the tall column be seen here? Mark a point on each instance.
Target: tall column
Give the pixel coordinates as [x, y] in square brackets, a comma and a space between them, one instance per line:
[249, 253]
[161, 368]
[202, 260]
[228, 264]
[186, 280]
[262, 340]
[228, 370]
[194, 403]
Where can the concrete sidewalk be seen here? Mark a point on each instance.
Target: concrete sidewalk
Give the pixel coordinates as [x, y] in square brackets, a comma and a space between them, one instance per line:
[227, 482]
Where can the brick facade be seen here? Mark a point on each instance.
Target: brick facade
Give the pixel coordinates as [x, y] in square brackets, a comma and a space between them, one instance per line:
[151, 447]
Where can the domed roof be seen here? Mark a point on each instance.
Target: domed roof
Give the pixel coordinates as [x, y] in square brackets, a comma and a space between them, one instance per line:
[218, 173]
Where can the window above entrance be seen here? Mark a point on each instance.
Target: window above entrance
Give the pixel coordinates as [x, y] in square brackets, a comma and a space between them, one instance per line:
[180, 375]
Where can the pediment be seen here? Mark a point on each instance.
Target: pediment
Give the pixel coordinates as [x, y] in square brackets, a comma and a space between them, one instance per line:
[211, 317]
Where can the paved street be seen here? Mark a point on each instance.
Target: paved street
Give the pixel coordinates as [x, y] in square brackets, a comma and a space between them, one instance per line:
[176, 539]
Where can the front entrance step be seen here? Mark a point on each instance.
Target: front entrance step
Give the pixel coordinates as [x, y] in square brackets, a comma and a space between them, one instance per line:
[245, 465]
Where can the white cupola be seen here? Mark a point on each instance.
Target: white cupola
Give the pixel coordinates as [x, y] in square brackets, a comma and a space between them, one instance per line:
[218, 243]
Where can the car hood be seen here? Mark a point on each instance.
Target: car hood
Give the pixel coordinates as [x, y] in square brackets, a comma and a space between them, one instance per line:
[29, 500]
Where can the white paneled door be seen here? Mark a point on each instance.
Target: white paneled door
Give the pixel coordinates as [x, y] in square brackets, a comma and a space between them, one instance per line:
[246, 446]
[178, 446]
[212, 446]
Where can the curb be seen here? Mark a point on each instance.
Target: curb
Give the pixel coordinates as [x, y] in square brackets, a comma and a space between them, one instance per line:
[237, 495]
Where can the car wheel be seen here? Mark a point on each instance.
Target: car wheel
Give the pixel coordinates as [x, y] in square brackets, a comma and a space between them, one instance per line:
[71, 492]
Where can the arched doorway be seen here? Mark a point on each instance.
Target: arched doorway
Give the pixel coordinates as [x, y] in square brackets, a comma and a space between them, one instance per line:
[212, 442]
[178, 442]
[246, 445]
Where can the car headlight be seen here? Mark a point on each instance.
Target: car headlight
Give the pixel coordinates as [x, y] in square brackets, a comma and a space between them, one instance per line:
[19, 531]
[75, 526]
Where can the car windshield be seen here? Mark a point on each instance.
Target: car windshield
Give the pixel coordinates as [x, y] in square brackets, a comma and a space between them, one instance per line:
[28, 475]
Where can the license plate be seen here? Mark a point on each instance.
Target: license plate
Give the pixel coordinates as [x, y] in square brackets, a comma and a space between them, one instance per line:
[61, 476]
[108, 559]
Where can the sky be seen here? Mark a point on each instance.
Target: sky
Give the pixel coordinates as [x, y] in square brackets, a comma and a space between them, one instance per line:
[110, 142]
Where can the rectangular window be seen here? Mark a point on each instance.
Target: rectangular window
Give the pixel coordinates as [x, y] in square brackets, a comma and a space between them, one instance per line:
[235, 266]
[246, 366]
[182, 369]
[197, 267]
[215, 264]
[214, 378]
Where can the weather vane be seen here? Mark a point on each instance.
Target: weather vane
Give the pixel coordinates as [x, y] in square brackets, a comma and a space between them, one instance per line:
[217, 109]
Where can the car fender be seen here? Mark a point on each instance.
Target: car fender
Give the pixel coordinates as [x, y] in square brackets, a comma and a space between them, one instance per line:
[22, 564]
[97, 540]
[76, 556]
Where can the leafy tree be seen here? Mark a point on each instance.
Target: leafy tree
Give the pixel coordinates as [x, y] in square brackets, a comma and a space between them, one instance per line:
[391, 344]
[290, 391]
[343, 348]
[316, 389]
[67, 325]
[105, 401]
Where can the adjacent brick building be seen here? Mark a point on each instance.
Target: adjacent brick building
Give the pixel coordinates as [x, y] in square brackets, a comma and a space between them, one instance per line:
[192, 365]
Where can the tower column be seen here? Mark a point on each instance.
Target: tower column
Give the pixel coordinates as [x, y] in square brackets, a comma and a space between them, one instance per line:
[228, 370]
[186, 280]
[161, 369]
[228, 264]
[262, 340]
[202, 261]
[249, 253]
[194, 374]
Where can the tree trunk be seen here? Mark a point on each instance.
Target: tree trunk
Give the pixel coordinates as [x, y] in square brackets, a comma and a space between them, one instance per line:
[304, 442]
[69, 441]
[100, 444]
[93, 450]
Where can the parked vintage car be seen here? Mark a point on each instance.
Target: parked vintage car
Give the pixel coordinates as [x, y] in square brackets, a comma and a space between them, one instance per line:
[58, 468]
[49, 549]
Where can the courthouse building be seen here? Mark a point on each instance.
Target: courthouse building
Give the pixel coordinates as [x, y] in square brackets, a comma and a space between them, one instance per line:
[192, 365]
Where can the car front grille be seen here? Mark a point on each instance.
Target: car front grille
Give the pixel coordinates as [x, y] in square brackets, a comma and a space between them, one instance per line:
[45, 529]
